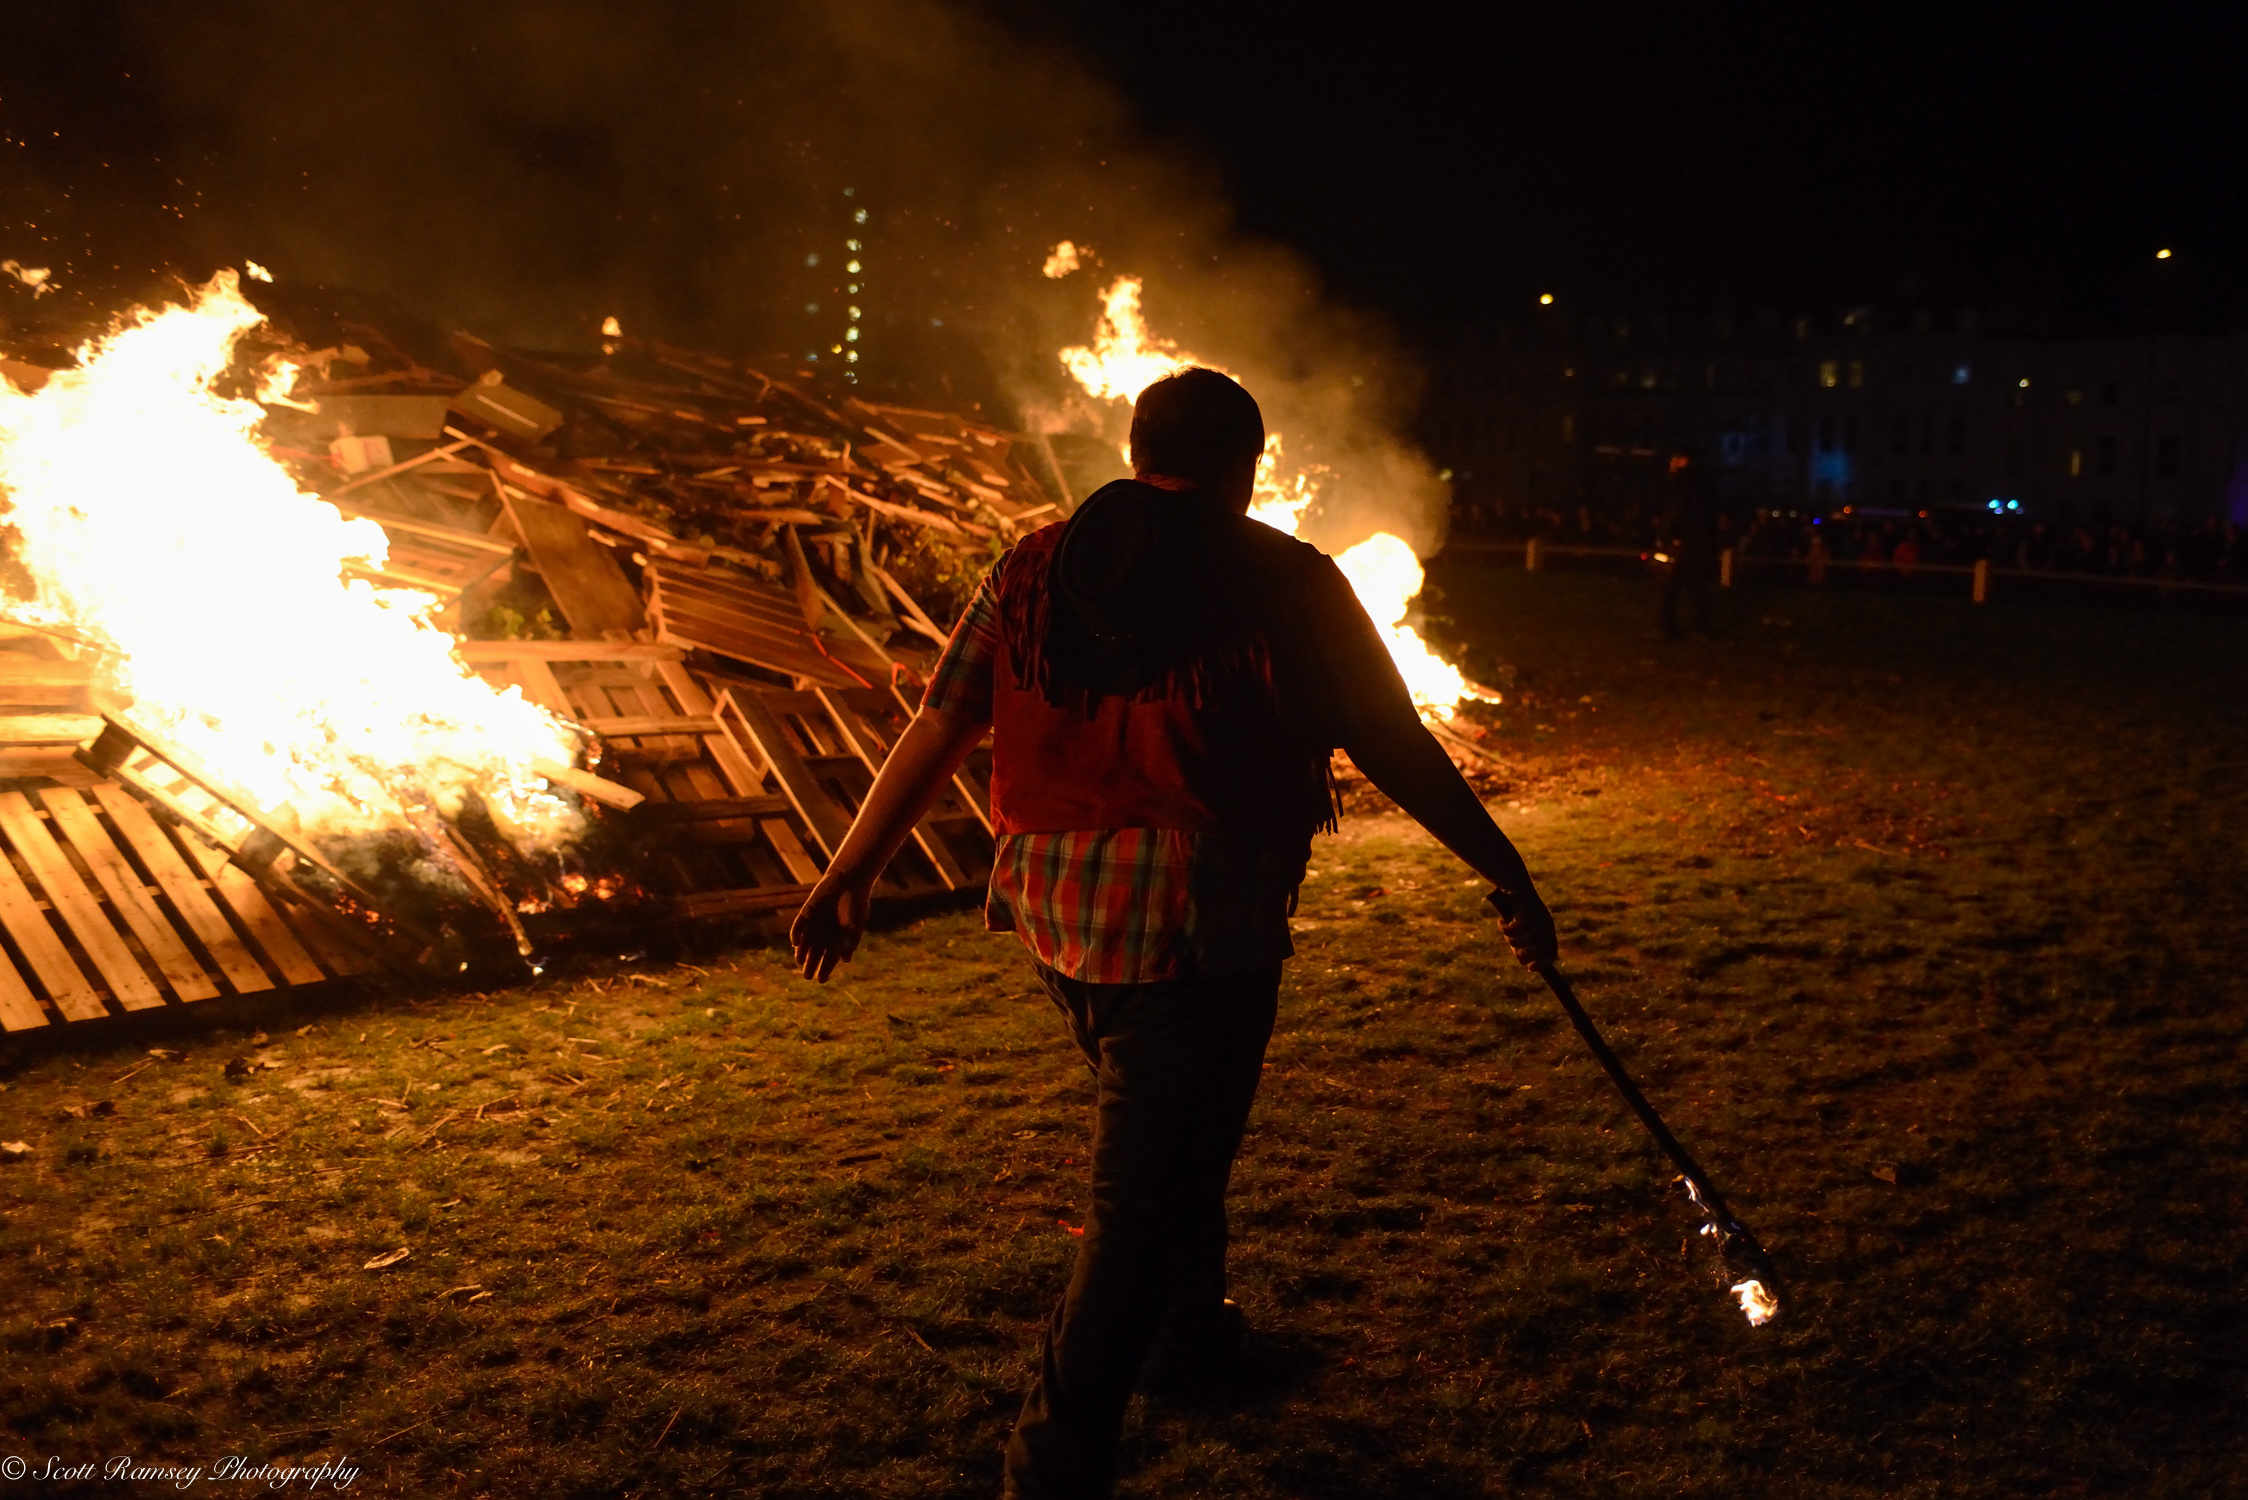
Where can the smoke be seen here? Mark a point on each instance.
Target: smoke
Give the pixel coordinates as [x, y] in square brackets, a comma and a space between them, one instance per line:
[526, 168]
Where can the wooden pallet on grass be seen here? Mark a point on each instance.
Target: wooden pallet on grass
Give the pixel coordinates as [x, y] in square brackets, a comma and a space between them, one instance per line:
[108, 907]
[344, 923]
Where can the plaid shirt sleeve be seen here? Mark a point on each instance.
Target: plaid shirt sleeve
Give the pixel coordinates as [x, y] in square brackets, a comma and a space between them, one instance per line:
[961, 682]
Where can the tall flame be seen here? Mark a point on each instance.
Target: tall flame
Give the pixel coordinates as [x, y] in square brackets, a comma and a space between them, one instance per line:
[1126, 357]
[143, 516]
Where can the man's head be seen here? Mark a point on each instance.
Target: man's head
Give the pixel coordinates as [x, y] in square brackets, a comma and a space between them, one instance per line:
[1201, 429]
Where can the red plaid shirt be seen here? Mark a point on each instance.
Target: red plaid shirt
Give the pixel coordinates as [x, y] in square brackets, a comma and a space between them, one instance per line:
[1117, 905]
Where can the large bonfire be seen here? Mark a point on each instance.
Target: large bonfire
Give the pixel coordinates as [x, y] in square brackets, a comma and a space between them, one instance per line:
[150, 527]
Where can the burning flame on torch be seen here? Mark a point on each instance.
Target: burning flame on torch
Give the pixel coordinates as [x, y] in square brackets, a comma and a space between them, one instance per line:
[1125, 358]
[143, 516]
[1760, 1305]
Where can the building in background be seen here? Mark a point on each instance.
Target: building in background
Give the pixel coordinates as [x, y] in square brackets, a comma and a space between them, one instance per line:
[1812, 415]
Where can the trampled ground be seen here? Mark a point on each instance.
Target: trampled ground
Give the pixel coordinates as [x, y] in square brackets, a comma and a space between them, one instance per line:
[1923, 923]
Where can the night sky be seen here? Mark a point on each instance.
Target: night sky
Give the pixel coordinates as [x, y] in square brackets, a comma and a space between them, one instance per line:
[528, 166]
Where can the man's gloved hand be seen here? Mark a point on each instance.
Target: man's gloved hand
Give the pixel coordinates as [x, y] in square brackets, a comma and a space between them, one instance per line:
[1528, 927]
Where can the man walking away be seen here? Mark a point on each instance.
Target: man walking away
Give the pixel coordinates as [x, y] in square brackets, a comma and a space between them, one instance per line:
[1164, 680]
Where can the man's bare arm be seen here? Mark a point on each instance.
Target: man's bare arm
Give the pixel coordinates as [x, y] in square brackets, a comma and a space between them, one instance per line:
[827, 929]
[1412, 770]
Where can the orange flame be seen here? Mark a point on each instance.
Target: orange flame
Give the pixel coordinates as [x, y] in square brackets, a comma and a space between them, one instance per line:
[1125, 358]
[147, 519]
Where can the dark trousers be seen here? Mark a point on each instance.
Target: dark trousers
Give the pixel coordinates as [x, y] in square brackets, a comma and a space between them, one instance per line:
[1177, 1065]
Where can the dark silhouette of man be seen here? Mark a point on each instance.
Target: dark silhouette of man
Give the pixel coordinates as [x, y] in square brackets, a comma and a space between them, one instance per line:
[1164, 680]
[1686, 544]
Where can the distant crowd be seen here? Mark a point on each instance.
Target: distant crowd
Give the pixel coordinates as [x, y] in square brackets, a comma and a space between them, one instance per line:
[1837, 545]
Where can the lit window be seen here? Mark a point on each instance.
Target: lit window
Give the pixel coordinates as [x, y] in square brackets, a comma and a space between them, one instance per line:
[2075, 462]
[1829, 374]
[1857, 373]
[852, 334]
[811, 307]
[852, 357]
[813, 259]
[854, 315]
[859, 217]
[851, 245]
[853, 268]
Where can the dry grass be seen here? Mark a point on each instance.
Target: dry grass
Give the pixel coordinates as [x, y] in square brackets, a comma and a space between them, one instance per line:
[1881, 889]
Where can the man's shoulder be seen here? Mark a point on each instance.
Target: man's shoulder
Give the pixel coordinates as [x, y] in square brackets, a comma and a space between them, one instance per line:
[1286, 557]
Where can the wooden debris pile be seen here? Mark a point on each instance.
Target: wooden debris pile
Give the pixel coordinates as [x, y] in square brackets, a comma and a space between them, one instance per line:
[734, 578]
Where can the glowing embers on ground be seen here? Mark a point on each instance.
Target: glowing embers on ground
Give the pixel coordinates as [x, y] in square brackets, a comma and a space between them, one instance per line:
[1126, 357]
[142, 516]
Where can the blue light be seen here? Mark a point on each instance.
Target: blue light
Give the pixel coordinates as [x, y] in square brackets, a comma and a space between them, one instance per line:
[2013, 505]
[1996, 506]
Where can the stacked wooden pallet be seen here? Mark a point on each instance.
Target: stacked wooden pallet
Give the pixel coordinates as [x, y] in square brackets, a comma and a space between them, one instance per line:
[719, 572]
[121, 893]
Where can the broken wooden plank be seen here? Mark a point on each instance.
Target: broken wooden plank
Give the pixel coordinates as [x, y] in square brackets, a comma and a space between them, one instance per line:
[712, 808]
[76, 907]
[593, 788]
[588, 586]
[649, 724]
[742, 902]
[122, 884]
[48, 729]
[29, 680]
[476, 652]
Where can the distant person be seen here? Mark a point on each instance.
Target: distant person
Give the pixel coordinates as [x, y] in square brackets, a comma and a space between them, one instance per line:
[1686, 544]
[1906, 559]
[1873, 555]
[1164, 680]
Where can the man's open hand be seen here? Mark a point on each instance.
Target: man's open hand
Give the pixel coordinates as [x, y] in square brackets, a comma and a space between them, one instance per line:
[1528, 928]
[827, 929]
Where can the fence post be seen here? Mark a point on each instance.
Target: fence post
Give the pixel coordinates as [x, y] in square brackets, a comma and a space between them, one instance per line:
[1982, 580]
[1725, 569]
[1530, 557]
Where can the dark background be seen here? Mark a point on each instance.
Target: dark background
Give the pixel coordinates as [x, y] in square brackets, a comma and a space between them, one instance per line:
[527, 168]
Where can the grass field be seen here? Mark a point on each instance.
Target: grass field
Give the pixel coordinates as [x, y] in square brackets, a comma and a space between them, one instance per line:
[1922, 923]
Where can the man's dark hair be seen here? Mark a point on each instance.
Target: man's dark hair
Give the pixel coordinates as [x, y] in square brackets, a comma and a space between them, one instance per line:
[1196, 424]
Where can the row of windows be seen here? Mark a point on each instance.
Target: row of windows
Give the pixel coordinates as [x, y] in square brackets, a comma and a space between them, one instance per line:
[1829, 436]
[1826, 374]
